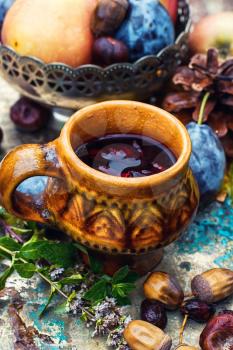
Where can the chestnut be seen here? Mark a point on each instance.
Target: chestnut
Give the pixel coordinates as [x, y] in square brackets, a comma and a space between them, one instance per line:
[107, 50]
[218, 333]
[29, 115]
[165, 288]
[108, 16]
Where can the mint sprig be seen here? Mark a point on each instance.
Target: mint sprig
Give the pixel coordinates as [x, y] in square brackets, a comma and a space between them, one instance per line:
[25, 257]
[119, 286]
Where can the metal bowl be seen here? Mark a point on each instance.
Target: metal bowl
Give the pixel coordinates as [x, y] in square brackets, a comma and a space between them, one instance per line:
[59, 85]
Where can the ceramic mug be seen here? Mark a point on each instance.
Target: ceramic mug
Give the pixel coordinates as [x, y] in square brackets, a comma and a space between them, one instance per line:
[129, 218]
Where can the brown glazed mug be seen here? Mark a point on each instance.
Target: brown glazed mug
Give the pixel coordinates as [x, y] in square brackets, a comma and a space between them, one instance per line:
[123, 220]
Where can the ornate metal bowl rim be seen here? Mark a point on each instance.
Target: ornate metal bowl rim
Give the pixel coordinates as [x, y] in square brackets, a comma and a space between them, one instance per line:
[134, 64]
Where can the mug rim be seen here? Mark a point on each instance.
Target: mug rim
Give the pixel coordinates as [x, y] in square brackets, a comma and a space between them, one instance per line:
[152, 180]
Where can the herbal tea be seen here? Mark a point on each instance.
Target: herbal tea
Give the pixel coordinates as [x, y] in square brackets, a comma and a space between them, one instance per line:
[126, 155]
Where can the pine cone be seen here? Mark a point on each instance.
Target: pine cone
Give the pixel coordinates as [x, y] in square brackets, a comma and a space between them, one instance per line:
[205, 73]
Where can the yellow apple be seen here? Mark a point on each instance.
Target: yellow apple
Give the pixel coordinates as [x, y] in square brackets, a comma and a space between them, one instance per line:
[51, 30]
[214, 31]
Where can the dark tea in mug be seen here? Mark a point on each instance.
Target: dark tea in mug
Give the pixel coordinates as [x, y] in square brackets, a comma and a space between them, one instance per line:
[126, 155]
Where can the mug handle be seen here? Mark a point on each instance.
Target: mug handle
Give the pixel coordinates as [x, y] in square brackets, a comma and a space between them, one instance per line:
[21, 163]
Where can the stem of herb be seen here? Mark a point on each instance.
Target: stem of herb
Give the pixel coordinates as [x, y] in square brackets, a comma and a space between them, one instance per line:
[182, 329]
[40, 273]
[46, 280]
[51, 283]
[8, 229]
[7, 251]
[202, 109]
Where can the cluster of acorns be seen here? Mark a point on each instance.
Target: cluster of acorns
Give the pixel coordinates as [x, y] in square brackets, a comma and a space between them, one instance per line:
[163, 292]
[126, 30]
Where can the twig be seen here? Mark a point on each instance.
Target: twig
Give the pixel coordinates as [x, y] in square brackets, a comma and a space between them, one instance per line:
[182, 329]
[202, 109]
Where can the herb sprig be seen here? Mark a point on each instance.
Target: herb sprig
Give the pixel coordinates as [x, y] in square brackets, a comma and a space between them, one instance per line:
[89, 293]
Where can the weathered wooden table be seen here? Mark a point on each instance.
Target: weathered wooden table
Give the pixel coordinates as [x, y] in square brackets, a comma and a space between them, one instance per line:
[208, 243]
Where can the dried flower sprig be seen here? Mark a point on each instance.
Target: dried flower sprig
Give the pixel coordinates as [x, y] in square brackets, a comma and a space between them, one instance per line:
[89, 294]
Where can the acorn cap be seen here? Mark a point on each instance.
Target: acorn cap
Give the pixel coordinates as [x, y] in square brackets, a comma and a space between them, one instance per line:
[201, 288]
[213, 285]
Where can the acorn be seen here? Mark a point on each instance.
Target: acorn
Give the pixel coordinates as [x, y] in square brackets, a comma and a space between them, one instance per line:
[213, 285]
[162, 287]
[108, 16]
[185, 347]
[141, 335]
[218, 333]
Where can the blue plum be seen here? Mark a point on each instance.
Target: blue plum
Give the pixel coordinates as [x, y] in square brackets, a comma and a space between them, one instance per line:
[147, 28]
[208, 161]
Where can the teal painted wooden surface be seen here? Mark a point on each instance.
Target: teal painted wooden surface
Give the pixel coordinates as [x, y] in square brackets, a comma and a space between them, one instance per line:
[207, 243]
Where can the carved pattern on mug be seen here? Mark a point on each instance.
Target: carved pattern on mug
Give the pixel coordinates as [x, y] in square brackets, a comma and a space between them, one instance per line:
[132, 226]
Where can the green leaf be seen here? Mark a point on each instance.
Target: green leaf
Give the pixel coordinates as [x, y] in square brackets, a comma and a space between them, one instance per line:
[60, 254]
[52, 293]
[106, 278]
[74, 279]
[123, 301]
[95, 265]
[123, 289]
[72, 296]
[31, 225]
[120, 275]
[62, 308]
[20, 230]
[25, 270]
[32, 251]
[132, 277]
[9, 244]
[5, 275]
[84, 317]
[81, 248]
[97, 292]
